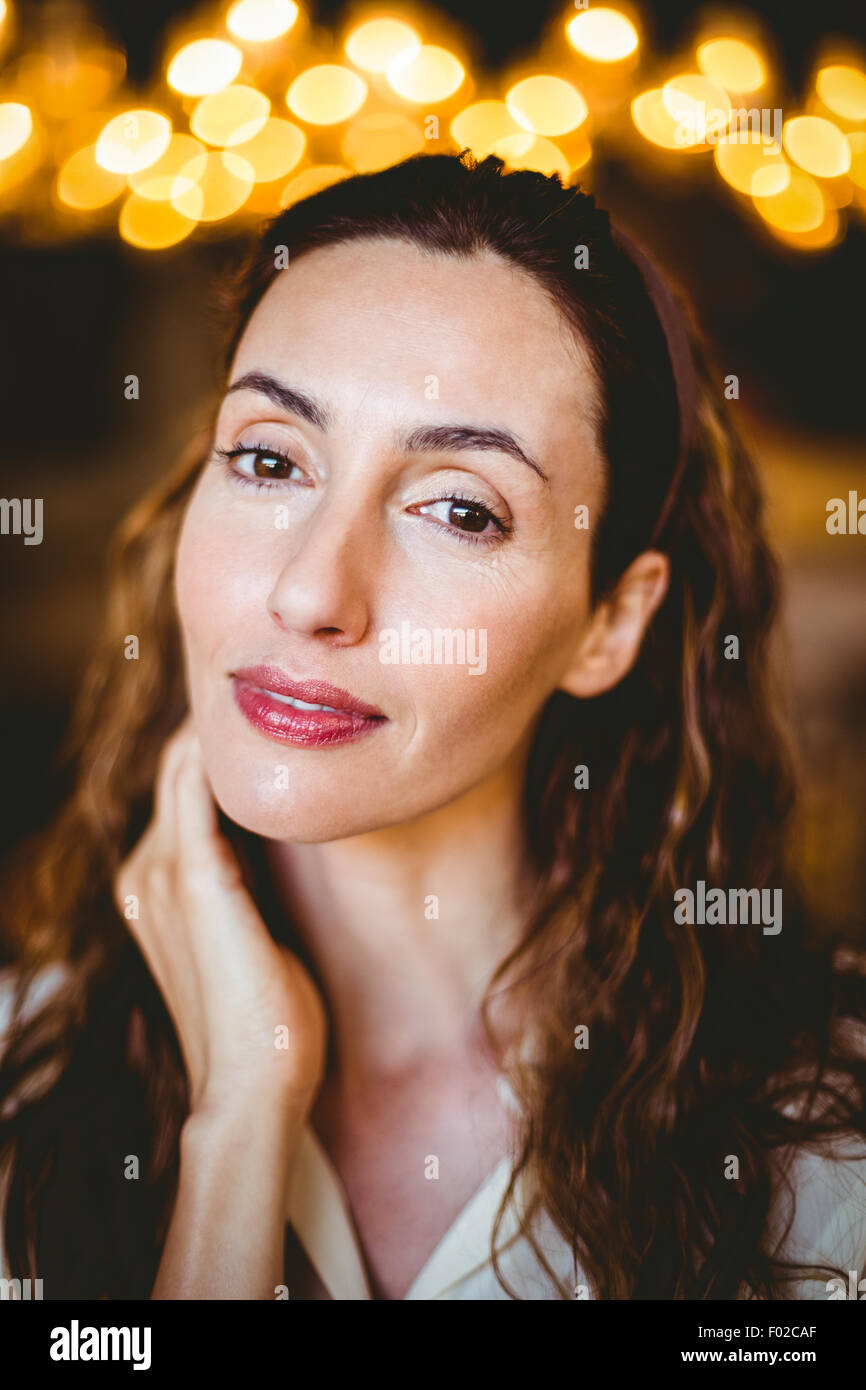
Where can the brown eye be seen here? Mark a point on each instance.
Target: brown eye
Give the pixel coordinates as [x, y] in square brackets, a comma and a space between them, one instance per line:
[265, 464]
[468, 516]
[256, 466]
[461, 513]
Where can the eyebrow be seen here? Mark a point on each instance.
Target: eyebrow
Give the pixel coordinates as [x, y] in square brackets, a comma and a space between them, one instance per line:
[424, 439]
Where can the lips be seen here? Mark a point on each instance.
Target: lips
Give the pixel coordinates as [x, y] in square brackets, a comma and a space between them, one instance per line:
[310, 713]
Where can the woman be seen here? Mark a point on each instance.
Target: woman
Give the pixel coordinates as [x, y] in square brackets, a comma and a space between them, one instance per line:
[434, 692]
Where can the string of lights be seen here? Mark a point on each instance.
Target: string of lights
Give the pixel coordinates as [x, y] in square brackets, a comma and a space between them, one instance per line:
[255, 107]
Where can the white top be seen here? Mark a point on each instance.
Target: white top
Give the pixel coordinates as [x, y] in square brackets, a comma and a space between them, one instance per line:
[459, 1267]
[829, 1227]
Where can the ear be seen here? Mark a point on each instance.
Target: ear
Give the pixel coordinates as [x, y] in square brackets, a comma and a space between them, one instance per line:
[610, 644]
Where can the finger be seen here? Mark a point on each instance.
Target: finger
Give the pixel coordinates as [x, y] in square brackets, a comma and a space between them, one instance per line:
[174, 743]
[195, 805]
[200, 842]
[165, 800]
[141, 880]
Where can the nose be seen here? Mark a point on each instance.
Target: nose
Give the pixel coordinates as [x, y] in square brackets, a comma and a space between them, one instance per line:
[324, 584]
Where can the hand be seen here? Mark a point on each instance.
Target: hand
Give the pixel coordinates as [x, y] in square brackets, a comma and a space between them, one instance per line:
[248, 1016]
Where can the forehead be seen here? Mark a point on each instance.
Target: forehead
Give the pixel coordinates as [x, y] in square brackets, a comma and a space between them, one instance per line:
[383, 326]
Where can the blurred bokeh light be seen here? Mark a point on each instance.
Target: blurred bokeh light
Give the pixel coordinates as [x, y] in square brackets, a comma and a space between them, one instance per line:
[390, 84]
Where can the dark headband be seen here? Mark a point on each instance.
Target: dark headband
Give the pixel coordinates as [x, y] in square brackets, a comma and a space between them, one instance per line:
[674, 327]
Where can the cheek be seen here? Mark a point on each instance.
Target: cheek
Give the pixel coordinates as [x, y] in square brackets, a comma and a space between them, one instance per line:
[519, 641]
[218, 575]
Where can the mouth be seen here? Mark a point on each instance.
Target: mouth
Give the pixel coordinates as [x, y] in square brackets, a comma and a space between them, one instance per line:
[309, 713]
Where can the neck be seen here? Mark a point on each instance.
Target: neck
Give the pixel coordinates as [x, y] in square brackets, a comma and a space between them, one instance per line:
[405, 926]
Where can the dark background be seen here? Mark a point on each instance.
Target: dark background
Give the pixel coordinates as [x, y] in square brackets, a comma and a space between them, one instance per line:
[77, 317]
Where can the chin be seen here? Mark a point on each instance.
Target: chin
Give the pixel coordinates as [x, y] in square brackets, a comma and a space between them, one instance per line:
[299, 813]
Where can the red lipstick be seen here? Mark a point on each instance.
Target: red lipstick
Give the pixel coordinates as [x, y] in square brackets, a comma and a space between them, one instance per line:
[281, 708]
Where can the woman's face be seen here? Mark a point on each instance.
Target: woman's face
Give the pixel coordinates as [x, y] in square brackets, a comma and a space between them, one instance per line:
[378, 508]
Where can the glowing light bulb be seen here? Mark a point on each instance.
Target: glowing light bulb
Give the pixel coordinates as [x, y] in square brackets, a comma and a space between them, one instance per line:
[857, 146]
[842, 89]
[184, 159]
[204, 66]
[480, 125]
[818, 146]
[527, 151]
[374, 142]
[604, 35]
[375, 45]
[654, 121]
[16, 127]
[230, 116]
[816, 238]
[274, 151]
[546, 105]
[800, 207]
[326, 94]
[152, 226]
[84, 185]
[429, 74]
[753, 166]
[256, 21]
[701, 108]
[733, 63]
[215, 191]
[133, 141]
